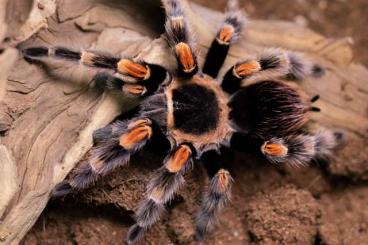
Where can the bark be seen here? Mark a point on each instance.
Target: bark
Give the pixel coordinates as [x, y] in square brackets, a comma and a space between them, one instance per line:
[49, 112]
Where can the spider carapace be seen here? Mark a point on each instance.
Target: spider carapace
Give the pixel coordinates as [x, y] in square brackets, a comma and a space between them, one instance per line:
[193, 115]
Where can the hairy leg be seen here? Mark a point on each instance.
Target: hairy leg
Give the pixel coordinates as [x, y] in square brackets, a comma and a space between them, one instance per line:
[180, 38]
[301, 149]
[130, 76]
[228, 33]
[295, 150]
[161, 189]
[123, 139]
[217, 194]
[271, 64]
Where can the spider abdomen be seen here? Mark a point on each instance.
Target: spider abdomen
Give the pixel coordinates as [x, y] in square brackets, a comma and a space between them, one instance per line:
[269, 108]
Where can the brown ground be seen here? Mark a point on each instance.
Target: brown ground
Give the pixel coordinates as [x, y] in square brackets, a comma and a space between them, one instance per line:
[333, 18]
[319, 205]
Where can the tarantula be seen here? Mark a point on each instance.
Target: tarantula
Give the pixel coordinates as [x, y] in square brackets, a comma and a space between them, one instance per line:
[192, 116]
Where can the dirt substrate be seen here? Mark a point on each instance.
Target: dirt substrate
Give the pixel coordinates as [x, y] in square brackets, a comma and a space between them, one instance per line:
[269, 206]
[323, 204]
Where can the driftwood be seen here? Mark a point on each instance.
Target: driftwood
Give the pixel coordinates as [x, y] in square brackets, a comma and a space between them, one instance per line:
[48, 113]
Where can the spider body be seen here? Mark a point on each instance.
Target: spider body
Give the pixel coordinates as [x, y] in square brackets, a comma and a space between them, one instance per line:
[193, 115]
[197, 112]
[260, 115]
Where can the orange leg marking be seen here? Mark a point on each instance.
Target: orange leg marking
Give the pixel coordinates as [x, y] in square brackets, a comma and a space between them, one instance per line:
[133, 69]
[225, 34]
[273, 149]
[178, 159]
[134, 89]
[134, 136]
[247, 69]
[184, 52]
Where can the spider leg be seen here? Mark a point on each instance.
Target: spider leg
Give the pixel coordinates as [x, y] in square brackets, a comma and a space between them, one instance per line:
[295, 150]
[228, 33]
[138, 89]
[180, 38]
[271, 64]
[161, 189]
[84, 57]
[217, 194]
[130, 76]
[245, 143]
[301, 149]
[300, 67]
[122, 140]
[153, 107]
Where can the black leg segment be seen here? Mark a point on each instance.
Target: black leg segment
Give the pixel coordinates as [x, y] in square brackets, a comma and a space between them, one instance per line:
[228, 33]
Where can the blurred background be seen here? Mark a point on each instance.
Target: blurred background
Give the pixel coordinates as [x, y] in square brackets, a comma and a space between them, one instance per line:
[333, 18]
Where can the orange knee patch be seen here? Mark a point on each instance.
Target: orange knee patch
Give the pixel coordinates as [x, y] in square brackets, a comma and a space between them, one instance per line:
[273, 149]
[177, 161]
[223, 179]
[185, 55]
[226, 34]
[134, 89]
[135, 136]
[247, 69]
[133, 69]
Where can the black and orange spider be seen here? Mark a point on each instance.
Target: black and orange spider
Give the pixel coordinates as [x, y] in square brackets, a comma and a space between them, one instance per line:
[192, 115]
